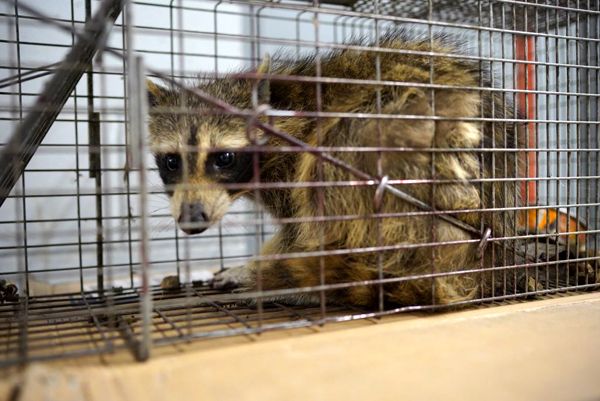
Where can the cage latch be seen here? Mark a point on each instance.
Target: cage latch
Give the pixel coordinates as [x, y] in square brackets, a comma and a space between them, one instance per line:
[484, 240]
[378, 198]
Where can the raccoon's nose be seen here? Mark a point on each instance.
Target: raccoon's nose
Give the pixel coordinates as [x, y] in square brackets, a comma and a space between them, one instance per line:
[193, 219]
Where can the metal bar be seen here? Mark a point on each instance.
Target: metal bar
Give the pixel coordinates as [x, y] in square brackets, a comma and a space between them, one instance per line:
[21, 190]
[138, 107]
[169, 322]
[101, 329]
[29, 135]
[95, 155]
[226, 312]
[77, 162]
[23, 322]
[127, 42]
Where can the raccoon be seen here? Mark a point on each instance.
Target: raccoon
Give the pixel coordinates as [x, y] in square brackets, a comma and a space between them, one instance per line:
[446, 117]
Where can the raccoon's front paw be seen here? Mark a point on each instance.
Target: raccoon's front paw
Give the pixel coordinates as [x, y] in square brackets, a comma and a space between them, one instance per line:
[239, 277]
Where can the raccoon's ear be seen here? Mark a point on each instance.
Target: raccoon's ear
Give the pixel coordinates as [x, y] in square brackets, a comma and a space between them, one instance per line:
[264, 85]
[155, 92]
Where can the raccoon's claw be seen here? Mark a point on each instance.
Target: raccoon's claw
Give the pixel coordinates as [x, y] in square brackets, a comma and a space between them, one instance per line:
[233, 278]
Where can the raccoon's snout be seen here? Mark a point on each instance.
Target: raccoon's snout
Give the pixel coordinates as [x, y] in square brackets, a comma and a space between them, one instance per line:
[193, 219]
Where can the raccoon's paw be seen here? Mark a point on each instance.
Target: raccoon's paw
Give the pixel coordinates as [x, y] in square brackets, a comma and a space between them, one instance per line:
[239, 277]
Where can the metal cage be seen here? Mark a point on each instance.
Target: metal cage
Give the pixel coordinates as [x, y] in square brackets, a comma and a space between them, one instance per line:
[92, 261]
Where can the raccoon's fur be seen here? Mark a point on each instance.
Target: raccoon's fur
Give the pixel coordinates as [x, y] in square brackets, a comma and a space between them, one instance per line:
[192, 202]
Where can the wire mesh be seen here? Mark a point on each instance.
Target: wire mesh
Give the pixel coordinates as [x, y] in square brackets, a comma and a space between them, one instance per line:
[94, 258]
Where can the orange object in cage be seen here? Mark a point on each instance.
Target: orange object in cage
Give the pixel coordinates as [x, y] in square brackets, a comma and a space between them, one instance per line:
[553, 221]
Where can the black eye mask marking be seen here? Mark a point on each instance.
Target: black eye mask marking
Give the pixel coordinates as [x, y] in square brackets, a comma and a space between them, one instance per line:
[222, 167]
[227, 169]
[170, 167]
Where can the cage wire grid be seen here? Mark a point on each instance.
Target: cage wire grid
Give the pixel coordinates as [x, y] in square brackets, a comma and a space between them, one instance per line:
[92, 261]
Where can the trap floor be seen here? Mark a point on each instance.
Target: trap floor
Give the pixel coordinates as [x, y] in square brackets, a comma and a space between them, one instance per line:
[78, 325]
[544, 349]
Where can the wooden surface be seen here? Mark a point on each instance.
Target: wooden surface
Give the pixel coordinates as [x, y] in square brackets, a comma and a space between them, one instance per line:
[544, 350]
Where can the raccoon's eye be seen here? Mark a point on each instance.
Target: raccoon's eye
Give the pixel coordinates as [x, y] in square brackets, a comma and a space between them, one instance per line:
[225, 160]
[172, 162]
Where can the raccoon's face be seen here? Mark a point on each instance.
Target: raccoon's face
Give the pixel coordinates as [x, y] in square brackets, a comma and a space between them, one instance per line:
[192, 182]
[185, 145]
